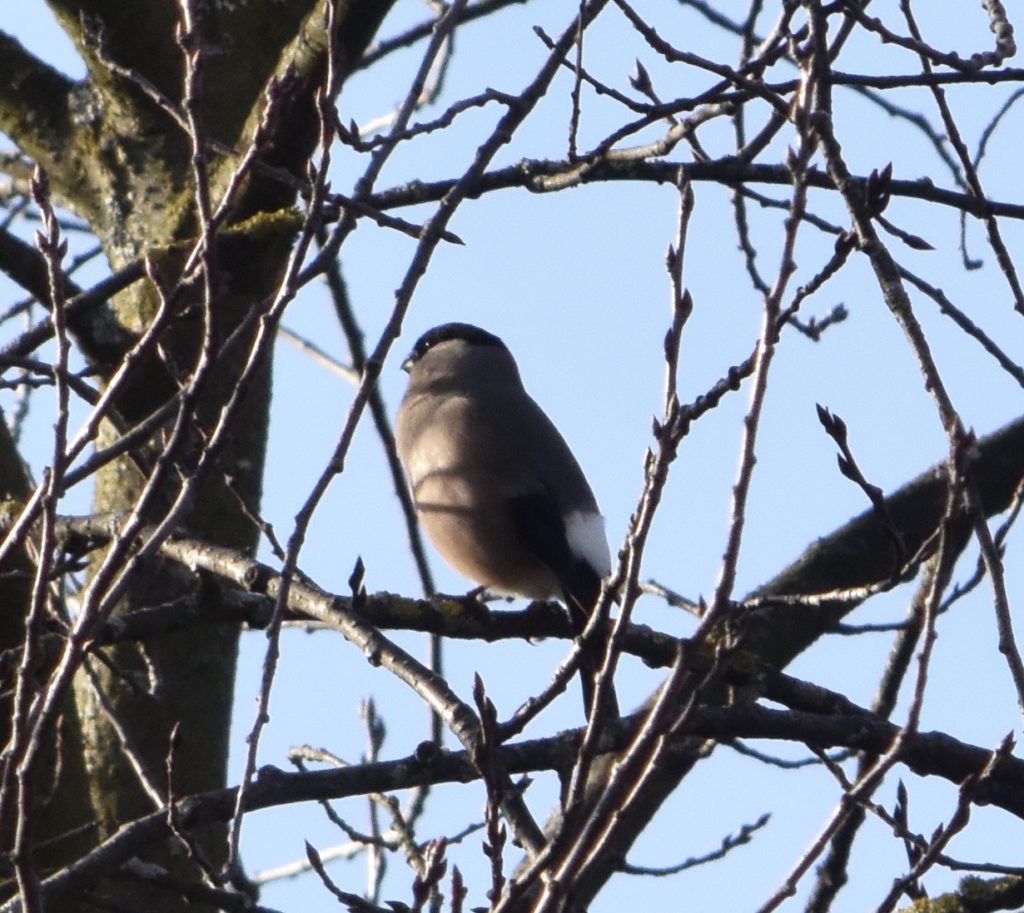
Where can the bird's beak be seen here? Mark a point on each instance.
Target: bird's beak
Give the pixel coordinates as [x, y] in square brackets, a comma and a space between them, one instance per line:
[407, 364]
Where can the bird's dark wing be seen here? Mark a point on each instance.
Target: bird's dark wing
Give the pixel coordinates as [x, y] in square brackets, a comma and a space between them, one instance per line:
[540, 527]
[538, 521]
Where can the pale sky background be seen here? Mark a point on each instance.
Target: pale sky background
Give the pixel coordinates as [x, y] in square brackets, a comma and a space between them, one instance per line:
[575, 284]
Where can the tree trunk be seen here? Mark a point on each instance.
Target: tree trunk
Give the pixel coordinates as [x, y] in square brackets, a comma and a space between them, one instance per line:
[124, 163]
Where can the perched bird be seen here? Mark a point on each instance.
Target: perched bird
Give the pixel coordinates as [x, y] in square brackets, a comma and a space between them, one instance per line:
[495, 485]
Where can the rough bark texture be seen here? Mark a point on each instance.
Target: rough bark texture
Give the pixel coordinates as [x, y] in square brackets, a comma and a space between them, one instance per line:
[124, 164]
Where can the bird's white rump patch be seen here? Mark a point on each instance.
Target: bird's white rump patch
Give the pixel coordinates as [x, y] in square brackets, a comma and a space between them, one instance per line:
[585, 533]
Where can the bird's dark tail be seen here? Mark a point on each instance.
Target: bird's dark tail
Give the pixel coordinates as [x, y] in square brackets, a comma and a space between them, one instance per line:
[580, 605]
[590, 666]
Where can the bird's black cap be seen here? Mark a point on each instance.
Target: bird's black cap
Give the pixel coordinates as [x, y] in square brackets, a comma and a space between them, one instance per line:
[446, 332]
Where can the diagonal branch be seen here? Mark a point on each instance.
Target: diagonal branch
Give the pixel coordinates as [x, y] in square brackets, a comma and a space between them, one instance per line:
[35, 110]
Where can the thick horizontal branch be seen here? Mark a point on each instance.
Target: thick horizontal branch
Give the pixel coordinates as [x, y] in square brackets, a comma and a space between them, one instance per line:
[902, 80]
[533, 175]
[855, 555]
[927, 754]
[540, 176]
[251, 601]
